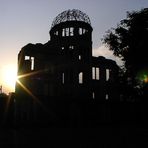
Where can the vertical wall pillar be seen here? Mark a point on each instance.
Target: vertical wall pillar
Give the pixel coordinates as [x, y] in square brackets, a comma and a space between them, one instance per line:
[102, 74]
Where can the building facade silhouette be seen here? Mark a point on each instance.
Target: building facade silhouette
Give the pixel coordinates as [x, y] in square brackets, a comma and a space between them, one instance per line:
[57, 78]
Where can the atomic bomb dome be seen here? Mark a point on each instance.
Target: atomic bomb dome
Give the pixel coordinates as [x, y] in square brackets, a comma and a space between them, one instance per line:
[63, 78]
[71, 15]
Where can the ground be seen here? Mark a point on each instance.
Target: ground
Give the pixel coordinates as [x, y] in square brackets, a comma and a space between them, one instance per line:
[105, 136]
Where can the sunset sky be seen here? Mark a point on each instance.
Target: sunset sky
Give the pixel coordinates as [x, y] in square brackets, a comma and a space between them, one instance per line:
[29, 21]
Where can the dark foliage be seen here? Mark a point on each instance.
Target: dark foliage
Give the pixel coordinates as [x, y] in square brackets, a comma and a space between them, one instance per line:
[129, 41]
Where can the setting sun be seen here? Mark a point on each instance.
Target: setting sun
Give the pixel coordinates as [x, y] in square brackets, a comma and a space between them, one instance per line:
[9, 76]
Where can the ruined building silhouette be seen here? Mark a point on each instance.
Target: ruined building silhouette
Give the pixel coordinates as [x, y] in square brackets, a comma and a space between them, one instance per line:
[61, 80]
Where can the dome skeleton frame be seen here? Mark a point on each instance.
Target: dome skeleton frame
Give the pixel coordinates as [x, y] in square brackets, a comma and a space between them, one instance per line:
[71, 15]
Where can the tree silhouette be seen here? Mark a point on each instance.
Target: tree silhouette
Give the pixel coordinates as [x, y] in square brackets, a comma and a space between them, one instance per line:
[129, 41]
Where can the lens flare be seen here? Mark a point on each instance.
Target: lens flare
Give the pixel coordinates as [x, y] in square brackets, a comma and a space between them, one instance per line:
[146, 78]
[35, 98]
[142, 76]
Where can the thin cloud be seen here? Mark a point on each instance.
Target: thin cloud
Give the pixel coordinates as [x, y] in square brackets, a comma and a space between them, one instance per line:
[104, 51]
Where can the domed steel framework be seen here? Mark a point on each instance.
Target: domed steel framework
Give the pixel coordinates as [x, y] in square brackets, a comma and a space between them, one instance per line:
[71, 15]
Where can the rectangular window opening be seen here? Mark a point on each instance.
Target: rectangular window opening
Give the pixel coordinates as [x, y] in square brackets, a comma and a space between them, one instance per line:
[93, 95]
[93, 73]
[67, 31]
[63, 32]
[56, 33]
[106, 96]
[27, 57]
[63, 78]
[80, 31]
[97, 73]
[107, 74]
[79, 57]
[80, 77]
[71, 31]
[71, 47]
[32, 63]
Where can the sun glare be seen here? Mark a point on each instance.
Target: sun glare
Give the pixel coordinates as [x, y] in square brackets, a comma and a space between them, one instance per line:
[9, 76]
